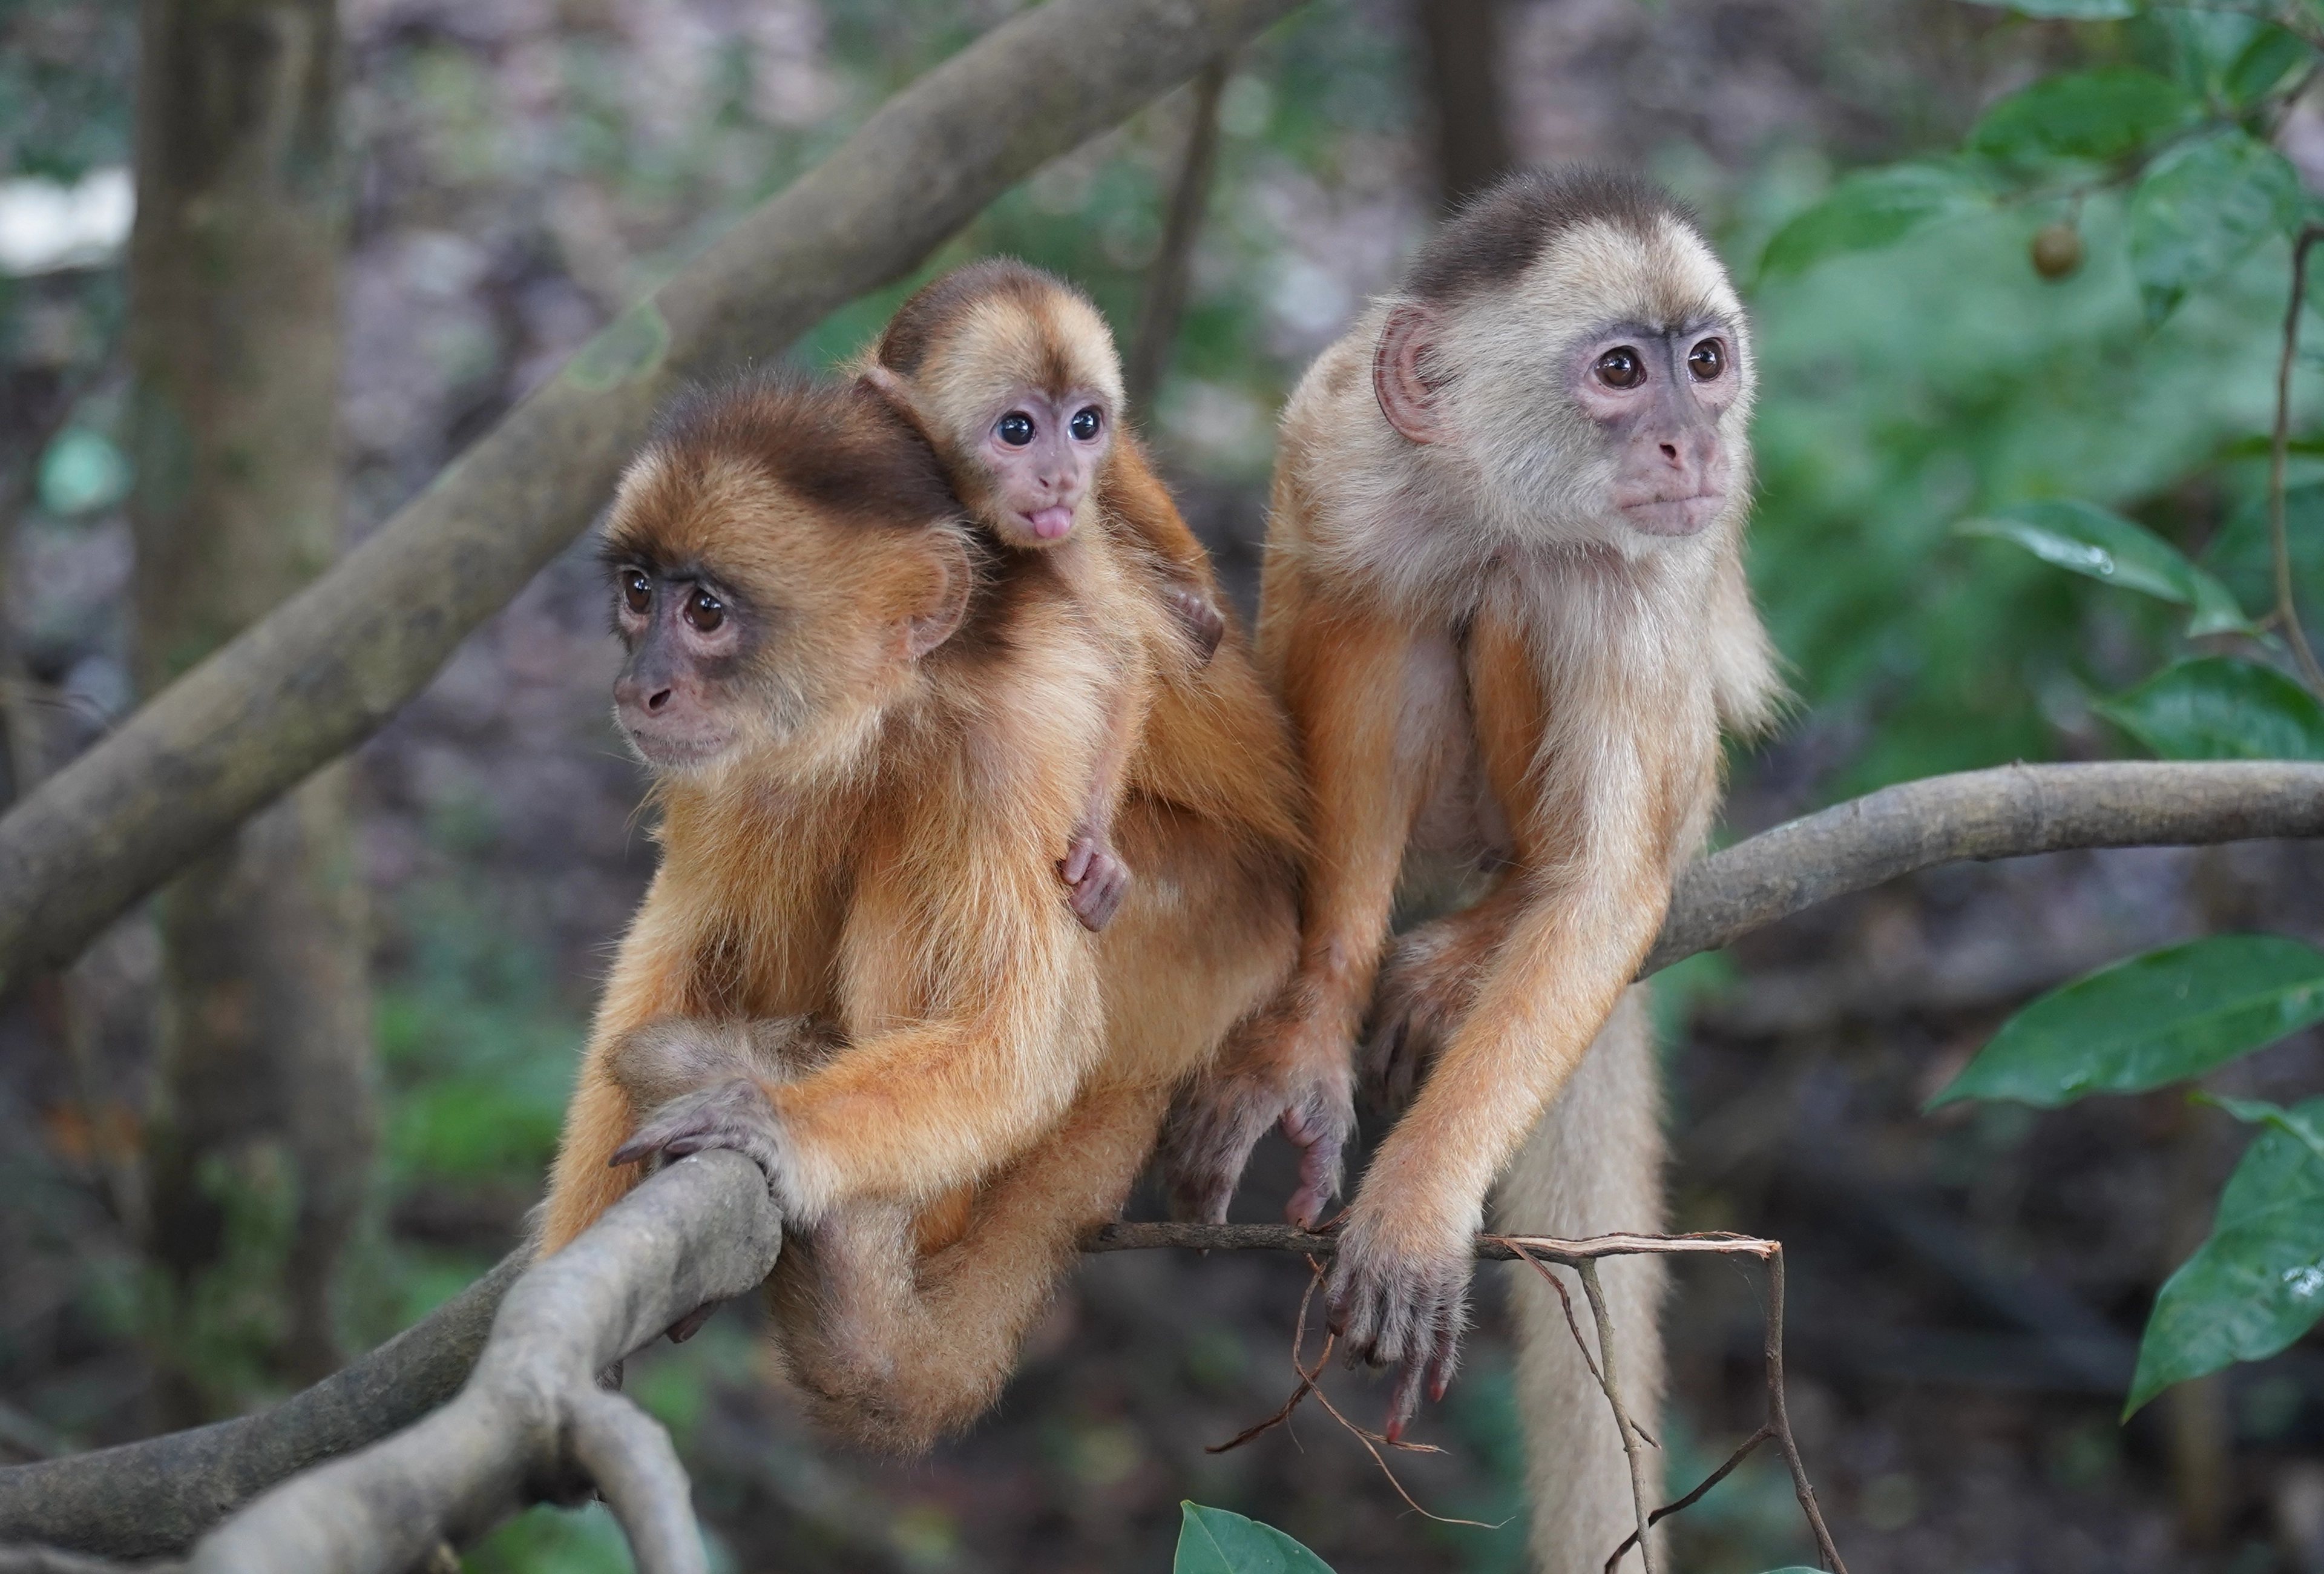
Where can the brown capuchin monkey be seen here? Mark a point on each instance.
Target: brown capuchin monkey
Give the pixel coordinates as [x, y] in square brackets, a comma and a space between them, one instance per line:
[872, 738]
[1012, 375]
[1505, 603]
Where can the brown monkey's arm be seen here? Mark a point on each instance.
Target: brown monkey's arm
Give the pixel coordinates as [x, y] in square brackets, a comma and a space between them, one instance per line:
[1142, 506]
[1095, 871]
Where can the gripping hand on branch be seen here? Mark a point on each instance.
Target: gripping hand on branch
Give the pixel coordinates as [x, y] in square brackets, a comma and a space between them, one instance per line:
[1287, 1067]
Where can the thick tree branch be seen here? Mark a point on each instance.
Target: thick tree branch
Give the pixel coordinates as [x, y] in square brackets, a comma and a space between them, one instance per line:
[328, 666]
[156, 1496]
[2009, 812]
[532, 1422]
[143, 1499]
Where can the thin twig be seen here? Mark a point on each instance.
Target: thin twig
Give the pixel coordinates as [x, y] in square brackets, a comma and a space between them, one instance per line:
[2287, 607]
[1610, 1380]
[1779, 1417]
[1696, 1496]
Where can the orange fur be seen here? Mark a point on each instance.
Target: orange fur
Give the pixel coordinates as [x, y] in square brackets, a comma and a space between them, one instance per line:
[966, 1080]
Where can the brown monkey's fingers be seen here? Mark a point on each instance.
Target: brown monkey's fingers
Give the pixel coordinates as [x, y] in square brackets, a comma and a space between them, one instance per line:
[1208, 1141]
[1076, 865]
[1320, 1152]
[733, 1114]
[686, 1327]
[1097, 896]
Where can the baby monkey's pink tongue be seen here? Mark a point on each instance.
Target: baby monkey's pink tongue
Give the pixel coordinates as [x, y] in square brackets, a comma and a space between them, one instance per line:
[1050, 524]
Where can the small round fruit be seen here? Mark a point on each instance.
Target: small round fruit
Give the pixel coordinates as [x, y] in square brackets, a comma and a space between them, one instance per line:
[2057, 251]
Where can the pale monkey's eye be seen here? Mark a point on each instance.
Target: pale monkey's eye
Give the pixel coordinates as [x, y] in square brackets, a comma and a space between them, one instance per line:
[1086, 424]
[1015, 428]
[637, 591]
[1707, 360]
[705, 611]
[1620, 367]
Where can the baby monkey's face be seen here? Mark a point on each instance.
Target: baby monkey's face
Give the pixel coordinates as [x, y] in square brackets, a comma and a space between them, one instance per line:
[1042, 450]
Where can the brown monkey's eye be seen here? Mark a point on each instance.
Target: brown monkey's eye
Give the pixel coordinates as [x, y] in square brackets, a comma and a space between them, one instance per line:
[1086, 424]
[1620, 367]
[637, 590]
[1707, 360]
[1015, 428]
[705, 611]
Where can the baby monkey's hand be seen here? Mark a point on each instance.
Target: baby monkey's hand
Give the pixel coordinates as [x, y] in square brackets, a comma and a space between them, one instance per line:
[1099, 877]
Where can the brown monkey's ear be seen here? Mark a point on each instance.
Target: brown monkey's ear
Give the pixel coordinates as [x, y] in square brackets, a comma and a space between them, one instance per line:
[939, 617]
[1406, 397]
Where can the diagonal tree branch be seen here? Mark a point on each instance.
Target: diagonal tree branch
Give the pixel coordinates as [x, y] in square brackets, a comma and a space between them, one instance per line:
[157, 1497]
[328, 666]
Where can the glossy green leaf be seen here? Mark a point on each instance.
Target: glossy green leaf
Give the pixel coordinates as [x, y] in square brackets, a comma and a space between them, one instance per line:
[2200, 209]
[2067, 10]
[2102, 544]
[2221, 707]
[2153, 1019]
[1212, 1541]
[2096, 115]
[2264, 64]
[1868, 210]
[2257, 1282]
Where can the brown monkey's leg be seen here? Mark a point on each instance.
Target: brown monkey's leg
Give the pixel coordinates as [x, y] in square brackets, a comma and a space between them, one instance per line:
[895, 1351]
[1593, 1166]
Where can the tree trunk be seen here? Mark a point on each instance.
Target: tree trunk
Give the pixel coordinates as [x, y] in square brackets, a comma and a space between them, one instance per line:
[1461, 40]
[265, 1126]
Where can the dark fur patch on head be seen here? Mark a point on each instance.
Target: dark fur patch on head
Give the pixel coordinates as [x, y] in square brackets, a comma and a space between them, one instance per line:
[840, 448]
[1498, 233]
[923, 320]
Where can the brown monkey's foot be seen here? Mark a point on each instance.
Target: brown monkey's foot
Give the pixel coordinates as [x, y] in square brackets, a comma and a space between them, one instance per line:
[1280, 1071]
[733, 1114]
[1427, 987]
[1200, 617]
[1400, 1306]
[1100, 880]
[672, 1056]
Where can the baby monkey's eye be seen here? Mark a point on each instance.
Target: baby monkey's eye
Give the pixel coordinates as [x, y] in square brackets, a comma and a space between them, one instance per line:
[1620, 367]
[1086, 424]
[1015, 428]
[705, 611]
[1707, 360]
[637, 590]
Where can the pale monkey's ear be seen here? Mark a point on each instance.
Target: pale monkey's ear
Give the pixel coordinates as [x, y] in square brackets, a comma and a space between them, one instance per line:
[1406, 397]
[940, 615]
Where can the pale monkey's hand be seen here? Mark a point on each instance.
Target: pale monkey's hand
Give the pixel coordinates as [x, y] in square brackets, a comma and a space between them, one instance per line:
[1288, 1068]
[1398, 1294]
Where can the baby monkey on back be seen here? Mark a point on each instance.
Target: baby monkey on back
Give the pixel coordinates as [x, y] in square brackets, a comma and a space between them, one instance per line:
[1012, 376]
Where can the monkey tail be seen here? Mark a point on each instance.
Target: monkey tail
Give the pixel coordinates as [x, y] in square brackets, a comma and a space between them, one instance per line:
[1593, 1166]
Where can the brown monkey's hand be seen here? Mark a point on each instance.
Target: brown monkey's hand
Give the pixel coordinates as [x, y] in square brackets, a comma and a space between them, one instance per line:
[1099, 877]
[1283, 1070]
[733, 1114]
[1200, 617]
[1398, 1296]
[1426, 987]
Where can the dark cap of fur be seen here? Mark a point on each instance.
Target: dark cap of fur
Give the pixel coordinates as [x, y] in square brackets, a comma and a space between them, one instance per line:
[921, 320]
[1499, 232]
[841, 447]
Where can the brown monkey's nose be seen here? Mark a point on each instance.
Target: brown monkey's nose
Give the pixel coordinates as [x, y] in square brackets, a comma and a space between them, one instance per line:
[660, 698]
[631, 694]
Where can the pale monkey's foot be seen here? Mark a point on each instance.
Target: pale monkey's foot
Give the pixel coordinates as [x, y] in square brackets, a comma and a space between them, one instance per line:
[1098, 878]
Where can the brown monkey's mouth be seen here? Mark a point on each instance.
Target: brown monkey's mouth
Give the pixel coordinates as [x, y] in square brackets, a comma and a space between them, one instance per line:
[671, 747]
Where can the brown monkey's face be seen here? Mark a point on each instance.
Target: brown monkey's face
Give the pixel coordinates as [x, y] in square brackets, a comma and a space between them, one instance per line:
[1041, 452]
[1656, 396]
[688, 639]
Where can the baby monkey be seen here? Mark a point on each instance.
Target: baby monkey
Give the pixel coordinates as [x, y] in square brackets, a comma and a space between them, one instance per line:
[1012, 375]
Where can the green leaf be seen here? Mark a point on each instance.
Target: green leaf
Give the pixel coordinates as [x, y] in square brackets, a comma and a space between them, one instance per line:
[2273, 54]
[2104, 546]
[1870, 208]
[1212, 1541]
[2097, 116]
[2067, 10]
[2152, 1019]
[2221, 707]
[2304, 1125]
[2257, 1283]
[2200, 209]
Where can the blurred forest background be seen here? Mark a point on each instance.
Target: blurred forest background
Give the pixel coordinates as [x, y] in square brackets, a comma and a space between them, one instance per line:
[1967, 1288]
